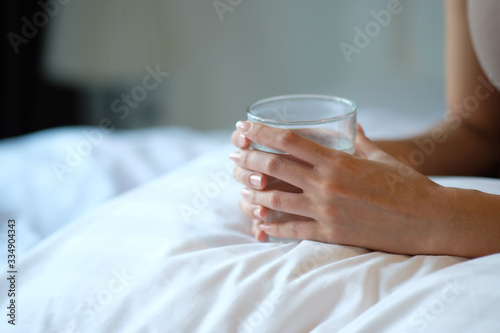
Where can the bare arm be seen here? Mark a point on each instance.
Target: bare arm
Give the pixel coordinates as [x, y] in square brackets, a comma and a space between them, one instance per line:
[473, 230]
[370, 199]
[468, 142]
[361, 200]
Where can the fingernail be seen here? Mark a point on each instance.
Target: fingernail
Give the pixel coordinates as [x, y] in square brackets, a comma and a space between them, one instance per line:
[235, 156]
[245, 193]
[243, 126]
[241, 140]
[256, 180]
[264, 227]
[257, 213]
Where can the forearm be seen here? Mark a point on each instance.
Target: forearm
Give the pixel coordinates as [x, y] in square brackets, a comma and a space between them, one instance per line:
[473, 227]
[472, 127]
[448, 151]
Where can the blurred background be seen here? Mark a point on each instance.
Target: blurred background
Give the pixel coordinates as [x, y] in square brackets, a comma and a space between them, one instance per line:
[200, 63]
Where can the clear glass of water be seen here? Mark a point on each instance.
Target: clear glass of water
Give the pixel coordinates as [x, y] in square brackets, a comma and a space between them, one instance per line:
[327, 120]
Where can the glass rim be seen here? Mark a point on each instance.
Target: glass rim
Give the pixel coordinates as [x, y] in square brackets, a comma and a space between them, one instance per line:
[342, 100]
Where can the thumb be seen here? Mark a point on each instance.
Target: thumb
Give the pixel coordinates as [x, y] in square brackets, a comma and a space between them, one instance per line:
[367, 149]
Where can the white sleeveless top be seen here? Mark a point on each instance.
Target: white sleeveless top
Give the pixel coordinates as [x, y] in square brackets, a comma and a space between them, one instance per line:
[484, 24]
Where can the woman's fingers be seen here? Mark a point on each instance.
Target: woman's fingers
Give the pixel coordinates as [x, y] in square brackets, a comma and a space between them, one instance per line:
[294, 230]
[260, 235]
[367, 149]
[253, 210]
[274, 165]
[250, 178]
[282, 139]
[262, 213]
[257, 213]
[291, 203]
[239, 140]
[261, 181]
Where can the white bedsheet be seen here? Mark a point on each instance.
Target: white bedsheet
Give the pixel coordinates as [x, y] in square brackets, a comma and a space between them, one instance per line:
[51, 177]
[176, 255]
[139, 264]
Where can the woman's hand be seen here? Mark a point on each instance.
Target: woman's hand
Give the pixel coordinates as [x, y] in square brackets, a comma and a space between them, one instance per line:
[369, 199]
[258, 181]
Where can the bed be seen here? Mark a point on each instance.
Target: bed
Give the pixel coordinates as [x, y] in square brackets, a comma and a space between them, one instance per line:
[142, 233]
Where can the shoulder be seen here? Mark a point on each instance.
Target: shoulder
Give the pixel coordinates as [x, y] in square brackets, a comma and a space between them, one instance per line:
[484, 25]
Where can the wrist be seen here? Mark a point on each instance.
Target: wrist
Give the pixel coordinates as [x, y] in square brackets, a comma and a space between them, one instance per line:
[444, 233]
[469, 224]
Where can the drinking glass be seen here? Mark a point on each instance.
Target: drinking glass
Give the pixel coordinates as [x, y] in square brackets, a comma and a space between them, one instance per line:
[327, 120]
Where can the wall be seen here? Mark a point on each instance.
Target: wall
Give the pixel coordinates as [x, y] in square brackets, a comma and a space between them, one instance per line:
[266, 48]
[222, 60]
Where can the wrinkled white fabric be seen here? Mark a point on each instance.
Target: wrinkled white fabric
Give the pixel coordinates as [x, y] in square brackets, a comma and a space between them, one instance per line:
[51, 177]
[176, 255]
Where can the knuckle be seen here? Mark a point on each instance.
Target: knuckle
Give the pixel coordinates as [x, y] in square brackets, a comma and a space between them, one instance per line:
[335, 181]
[329, 212]
[240, 175]
[272, 165]
[327, 187]
[245, 157]
[274, 200]
[251, 197]
[287, 138]
[259, 133]
[344, 162]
